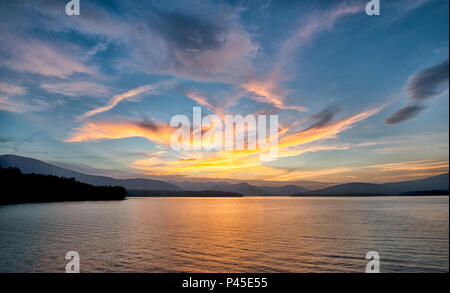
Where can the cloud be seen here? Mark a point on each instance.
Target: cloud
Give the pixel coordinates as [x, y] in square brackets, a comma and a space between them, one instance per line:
[207, 47]
[191, 33]
[429, 82]
[405, 113]
[12, 90]
[379, 173]
[7, 139]
[268, 89]
[202, 100]
[123, 129]
[152, 88]
[422, 86]
[233, 164]
[12, 99]
[324, 117]
[315, 24]
[100, 130]
[21, 106]
[222, 164]
[201, 42]
[325, 130]
[76, 88]
[38, 57]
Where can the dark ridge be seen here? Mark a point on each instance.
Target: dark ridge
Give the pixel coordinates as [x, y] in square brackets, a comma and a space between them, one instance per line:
[29, 165]
[33, 188]
[426, 192]
[427, 185]
[169, 193]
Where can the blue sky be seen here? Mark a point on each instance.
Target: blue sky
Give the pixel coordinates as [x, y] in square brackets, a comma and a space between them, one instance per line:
[362, 98]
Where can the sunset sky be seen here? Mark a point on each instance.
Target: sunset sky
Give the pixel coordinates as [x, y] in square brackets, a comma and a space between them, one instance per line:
[359, 98]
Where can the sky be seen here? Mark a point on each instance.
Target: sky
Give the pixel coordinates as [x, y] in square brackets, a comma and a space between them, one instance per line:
[358, 97]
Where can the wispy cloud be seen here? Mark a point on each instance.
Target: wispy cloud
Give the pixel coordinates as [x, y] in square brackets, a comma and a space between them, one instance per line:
[12, 99]
[207, 47]
[34, 56]
[315, 24]
[378, 173]
[133, 93]
[10, 89]
[202, 100]
[100, 130]
[325, 130]
[268, 90]
[429, 82]
[205, 44]
[233, 164]
[77, 88]
[422, 86]
[404, 114]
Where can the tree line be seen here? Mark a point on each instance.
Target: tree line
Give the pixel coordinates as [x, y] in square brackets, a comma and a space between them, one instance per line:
[31, 188]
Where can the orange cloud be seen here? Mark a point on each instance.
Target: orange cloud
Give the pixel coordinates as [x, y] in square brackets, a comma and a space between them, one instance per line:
[156, 132]
[267, 90]
[233, 164]
[379, 173]
[203, 101]
[326, 131]
[220, 164]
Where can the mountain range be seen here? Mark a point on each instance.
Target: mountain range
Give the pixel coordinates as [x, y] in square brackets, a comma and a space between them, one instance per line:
[437, 183]
[28, 165]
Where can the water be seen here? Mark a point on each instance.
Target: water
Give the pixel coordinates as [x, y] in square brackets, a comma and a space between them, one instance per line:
[250, 234]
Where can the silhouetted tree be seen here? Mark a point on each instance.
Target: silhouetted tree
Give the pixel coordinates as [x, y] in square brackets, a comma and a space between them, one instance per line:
[26, 188]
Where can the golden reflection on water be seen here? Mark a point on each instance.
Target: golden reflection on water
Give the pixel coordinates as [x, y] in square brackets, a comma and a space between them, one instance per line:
[274, 234]
[250, 234]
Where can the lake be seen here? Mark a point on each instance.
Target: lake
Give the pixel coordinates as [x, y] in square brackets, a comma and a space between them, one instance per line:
[249, 234]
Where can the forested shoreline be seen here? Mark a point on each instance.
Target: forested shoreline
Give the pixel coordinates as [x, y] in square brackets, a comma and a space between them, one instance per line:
[32, 188]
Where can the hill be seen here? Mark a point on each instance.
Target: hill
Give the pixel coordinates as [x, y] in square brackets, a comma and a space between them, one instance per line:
[166, 193]
[438, 183]
[29, 165]
[31, 188]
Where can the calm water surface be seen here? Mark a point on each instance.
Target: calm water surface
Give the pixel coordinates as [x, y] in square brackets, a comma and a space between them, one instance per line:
[250, 234]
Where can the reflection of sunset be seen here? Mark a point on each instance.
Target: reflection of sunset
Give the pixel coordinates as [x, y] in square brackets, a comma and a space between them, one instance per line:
[258, 234]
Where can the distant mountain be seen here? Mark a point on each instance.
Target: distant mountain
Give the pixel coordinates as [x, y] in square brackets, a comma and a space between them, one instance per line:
[197, 186]
[440, 182]
[285, 189]
[165, 193]
[28, 165]
[309, 185]
[251, 188]
[242, 187]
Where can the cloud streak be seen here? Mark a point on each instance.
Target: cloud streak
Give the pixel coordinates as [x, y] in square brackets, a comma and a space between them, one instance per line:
[100, 130]
[422, 86]
[128, 95]
[404, 114]
[316, 23]
[429, 82]
[268, 89]
[220, 164]
[37, 57]
[12, 99]
[76, 88]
